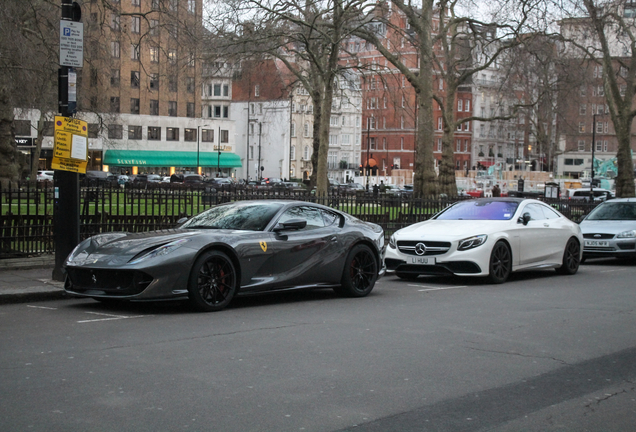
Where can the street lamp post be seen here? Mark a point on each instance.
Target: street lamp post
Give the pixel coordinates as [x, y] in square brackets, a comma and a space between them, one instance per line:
[260, 171]
[198, 146]
[368, 148]
[218, 161]
[593, 146]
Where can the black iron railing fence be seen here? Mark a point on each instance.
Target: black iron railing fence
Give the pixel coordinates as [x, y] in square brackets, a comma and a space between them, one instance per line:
[26, 214]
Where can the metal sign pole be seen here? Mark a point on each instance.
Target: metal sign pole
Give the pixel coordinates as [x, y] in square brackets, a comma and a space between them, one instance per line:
[66, 208]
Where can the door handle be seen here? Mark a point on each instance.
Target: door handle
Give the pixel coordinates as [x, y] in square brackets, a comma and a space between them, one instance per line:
[334, 238]
[546, 225]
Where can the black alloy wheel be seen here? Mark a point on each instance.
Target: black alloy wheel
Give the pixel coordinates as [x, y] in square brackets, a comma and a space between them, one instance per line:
[213, 282]
[571, 258]
[500, 265]
[360, 272]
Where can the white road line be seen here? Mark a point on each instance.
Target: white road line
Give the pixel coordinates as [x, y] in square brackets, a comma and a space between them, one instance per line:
[41, 307]
[110, 317]
[610, 271]
[429, 288]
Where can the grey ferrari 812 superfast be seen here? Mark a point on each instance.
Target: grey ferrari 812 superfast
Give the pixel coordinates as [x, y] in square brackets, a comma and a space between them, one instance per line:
[231, 249]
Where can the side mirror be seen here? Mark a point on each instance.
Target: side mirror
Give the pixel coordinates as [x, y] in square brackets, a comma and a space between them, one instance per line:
[525, 218]
[182, 221]
[291, 225]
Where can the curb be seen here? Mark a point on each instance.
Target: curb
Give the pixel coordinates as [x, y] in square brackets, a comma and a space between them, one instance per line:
[57, 294]
[28, 263]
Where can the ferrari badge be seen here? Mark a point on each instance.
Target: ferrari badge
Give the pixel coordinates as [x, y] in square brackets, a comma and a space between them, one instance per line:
[263, 246]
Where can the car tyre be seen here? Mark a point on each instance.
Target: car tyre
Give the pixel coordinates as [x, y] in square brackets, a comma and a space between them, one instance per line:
[571, 258]
[359, 274]
[213, 282]
[500, 265]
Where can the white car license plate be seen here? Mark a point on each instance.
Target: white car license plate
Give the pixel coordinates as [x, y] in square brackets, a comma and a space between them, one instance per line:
[423, 260]
[597, 243]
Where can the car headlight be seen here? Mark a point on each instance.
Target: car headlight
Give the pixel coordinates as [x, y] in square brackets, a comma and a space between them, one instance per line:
[159, 251]
[627, 234]
[79, 253]
[392, 242]
[472, 242]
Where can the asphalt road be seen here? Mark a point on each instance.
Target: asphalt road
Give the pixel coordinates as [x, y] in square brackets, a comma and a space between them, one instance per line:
[541, 352]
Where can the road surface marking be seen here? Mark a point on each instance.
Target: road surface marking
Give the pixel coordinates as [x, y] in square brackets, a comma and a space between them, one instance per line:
[430, 288]
[110, 317]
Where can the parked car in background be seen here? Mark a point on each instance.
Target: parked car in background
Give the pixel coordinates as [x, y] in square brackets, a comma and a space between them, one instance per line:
[488, 237]
[220, 182]
[99, 178]
[143, 179]
[584, 194]
[610, 230]
[295, 187]
[45, 176]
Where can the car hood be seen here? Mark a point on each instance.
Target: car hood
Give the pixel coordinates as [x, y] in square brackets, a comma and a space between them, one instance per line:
[451, 229]
[119, 248]
[606, 226]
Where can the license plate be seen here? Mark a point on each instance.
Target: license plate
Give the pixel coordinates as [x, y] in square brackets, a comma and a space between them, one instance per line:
[597, 243]
[423, 260]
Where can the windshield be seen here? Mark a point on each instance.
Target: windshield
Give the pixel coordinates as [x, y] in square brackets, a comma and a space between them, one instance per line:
[480, 210]
[614, 211]
[237, 216]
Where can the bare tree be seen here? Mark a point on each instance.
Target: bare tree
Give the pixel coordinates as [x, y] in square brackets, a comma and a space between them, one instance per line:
[604, 34]
[307, 37]
[450, 49]
[28, 73]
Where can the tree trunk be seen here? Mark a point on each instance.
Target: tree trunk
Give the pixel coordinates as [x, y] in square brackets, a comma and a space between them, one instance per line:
[9, 162]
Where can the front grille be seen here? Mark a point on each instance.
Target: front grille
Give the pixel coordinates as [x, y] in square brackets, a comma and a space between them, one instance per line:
[626, 246]
[600, 236]
[107, 282]
[598, 249]
[432, 247]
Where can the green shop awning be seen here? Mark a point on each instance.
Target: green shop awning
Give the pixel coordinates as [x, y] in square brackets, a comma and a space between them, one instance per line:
[170, 158]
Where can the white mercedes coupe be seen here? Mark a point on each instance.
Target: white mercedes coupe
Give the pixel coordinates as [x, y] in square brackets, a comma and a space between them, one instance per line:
[487, 237]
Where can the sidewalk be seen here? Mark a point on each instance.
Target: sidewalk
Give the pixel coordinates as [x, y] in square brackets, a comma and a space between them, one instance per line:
[29, 279]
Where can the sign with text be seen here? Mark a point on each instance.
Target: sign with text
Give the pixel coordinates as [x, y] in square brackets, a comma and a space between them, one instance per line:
[71, 43]
[70, 151]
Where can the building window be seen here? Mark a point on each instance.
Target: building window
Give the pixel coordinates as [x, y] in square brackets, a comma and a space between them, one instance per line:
[134, 79]
[467, 105]
[333, 140]
[306, 153]
[190, 135]
[439, 144]
[172, 134]
[114, 22]
[190, 84]
[114, 104]
[582, 109]
[439, 123]
[172, 56]
[172, 83]
[154, 81]
[134, 52]
[115, 131]
[467, 126]
[226, 90]
[154, 133]
[134, 132]
[114, 77]
[114, 49]
[306, 131]
[192, 6]
[292, 153]
[217, 111]
[217, 89]
[154, 107]
[134, 105]
[207, 135]
[154, 54]
[293, 130]
[226, 111]
[93, 130]
[581, 127]
[190, 109]
[135, 24]
[225, 136]
[460, 104]
[135, 2]
[257, 90]
[458, 145]
[154, 27]
[172, 108]
[581, 145]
